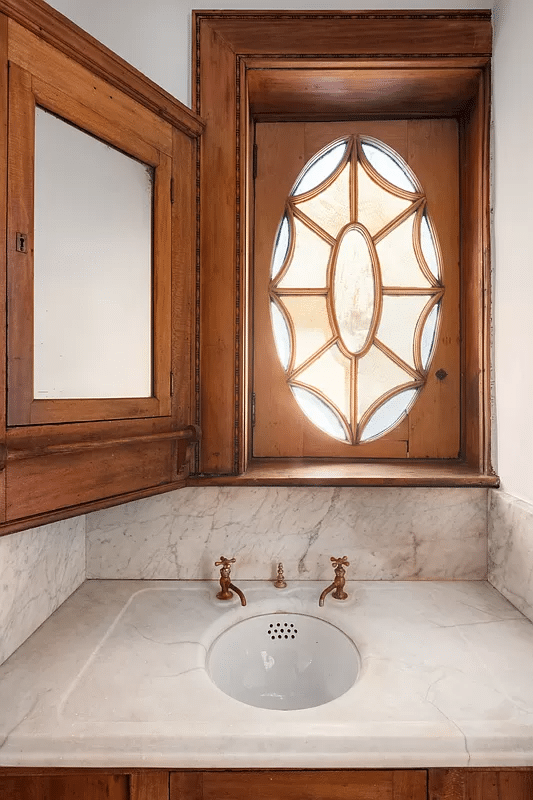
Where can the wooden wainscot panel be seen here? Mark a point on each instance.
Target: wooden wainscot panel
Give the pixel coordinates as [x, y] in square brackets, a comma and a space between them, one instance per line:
[42, 484]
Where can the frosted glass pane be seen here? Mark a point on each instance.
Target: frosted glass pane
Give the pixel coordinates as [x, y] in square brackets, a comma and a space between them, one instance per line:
[428, 335]
[388, 415]
[320, 414]
[321, 167]
[399, 317]
[281, 335]
[428, 247]
[331, 208]
[375, 206]
[393, 169]
[354, 290]
[311, 324]
[376, 375]
[281, 246]
[330, 374]
[309, 262]
[92, 267]
[399, 264]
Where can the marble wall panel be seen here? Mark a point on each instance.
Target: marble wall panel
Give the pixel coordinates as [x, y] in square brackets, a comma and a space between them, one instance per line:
[39, 569]
[387, 533]
[511, 549]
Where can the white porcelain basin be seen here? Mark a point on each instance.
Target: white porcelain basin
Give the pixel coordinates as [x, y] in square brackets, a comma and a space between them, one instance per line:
[283, 661]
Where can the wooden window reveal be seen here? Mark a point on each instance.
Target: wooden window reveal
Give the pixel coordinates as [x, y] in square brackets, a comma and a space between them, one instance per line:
[383, 72]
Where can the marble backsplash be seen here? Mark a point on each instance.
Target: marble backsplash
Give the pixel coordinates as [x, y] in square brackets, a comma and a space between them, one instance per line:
[387, 533]
[39, 569]
[511, 549]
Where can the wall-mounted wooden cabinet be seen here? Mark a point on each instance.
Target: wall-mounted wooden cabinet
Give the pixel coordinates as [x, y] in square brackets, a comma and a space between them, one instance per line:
[98, 184]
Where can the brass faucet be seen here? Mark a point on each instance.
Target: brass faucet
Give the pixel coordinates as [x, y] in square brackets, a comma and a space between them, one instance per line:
[338, 583]
[225, 581]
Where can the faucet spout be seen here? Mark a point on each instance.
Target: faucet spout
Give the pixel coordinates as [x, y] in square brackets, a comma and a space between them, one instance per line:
[325, 593]
[238, 591]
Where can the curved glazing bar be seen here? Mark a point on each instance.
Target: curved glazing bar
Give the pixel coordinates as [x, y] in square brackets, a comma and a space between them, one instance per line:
[319, 168]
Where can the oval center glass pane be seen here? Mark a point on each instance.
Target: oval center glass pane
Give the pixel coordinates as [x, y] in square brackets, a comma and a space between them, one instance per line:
[354, 290]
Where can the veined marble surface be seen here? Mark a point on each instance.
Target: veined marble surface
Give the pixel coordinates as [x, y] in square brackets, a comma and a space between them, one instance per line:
[387, 533]
[511, 549]
[39, 569]
[116, 677]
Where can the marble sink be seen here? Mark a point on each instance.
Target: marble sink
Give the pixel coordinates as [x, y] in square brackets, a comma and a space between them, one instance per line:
[283, 661]
[117, 677]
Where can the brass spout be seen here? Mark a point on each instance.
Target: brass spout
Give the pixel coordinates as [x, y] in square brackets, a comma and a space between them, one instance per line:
[324, 593]
[238, 591]
[337, 587]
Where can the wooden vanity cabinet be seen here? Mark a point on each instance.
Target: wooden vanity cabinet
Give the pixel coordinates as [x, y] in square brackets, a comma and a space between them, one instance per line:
[154, 784]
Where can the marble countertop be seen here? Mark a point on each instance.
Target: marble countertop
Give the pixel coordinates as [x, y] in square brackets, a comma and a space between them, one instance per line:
[116, 678]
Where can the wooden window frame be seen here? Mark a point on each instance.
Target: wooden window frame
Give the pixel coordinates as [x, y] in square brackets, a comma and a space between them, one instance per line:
[331, 65]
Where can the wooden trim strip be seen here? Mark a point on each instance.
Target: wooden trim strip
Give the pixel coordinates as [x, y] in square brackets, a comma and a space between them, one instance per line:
[190, 432]
[47, 23]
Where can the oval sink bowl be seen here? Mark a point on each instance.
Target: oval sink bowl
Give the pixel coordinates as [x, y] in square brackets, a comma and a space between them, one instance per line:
[283, 661]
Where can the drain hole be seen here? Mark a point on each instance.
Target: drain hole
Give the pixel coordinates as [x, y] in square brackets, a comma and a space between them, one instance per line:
[282, 630]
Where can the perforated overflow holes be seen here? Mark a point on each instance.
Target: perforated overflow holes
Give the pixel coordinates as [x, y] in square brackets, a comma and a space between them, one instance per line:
[282, 630]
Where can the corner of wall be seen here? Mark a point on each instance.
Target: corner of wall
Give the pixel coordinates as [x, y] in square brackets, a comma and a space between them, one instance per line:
[510, 537]
[39, 569]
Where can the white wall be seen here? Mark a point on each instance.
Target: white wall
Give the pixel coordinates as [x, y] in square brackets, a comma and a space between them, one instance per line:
[513, 258]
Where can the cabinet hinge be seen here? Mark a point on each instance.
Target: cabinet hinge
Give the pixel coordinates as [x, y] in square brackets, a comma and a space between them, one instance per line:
[254, 162]
[253, 410]
[171, 384]
[172, 190]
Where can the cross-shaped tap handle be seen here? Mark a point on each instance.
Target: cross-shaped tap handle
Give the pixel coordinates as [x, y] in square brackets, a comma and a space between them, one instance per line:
[224, 562]
[339, 562]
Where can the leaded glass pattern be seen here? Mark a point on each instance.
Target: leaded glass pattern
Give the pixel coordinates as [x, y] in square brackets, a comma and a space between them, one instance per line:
[356, 289]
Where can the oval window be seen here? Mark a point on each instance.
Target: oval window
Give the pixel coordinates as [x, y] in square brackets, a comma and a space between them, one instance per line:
[355, 290]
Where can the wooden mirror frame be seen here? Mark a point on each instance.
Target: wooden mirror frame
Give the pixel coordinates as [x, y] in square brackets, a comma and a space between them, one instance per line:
[327, 65]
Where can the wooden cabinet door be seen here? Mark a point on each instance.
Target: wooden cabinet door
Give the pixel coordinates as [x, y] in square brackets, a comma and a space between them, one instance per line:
[65, 787]
[299, 785]
[480, 784]
[142, 785]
